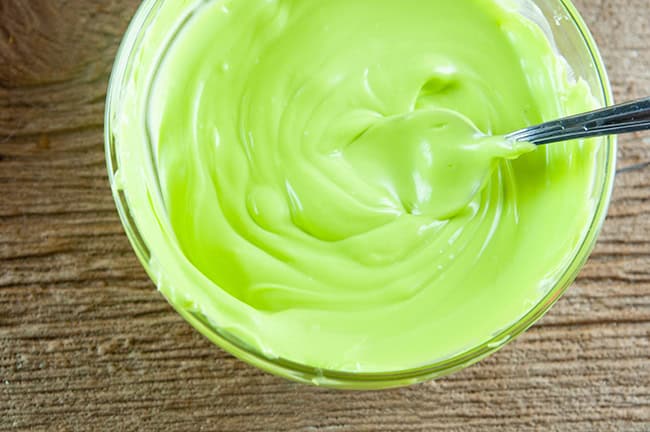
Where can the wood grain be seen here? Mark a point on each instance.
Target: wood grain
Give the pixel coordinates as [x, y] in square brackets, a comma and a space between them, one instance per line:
[86, 343]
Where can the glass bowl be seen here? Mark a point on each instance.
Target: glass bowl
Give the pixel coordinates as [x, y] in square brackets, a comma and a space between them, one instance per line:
[573, 41]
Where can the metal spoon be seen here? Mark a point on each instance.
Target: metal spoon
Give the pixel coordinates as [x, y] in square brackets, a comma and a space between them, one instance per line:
[616, 119]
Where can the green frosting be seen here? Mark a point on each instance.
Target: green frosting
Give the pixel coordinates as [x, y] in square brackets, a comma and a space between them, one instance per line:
[325, 180]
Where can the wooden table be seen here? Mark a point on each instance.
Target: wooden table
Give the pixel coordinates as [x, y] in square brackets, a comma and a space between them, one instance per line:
[86, 342]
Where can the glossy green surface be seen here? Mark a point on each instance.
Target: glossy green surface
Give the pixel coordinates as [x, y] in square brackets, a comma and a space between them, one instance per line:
[330, 180]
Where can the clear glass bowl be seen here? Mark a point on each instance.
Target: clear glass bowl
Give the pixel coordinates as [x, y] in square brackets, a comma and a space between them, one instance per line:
[573, 41]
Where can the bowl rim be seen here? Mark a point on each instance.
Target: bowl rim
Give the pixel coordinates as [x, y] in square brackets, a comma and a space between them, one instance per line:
[358, 380]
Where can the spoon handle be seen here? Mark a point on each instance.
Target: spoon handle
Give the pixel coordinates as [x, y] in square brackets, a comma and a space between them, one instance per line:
[617, 119]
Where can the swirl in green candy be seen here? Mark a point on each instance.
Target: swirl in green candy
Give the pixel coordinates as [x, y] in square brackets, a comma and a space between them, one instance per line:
[333, 189]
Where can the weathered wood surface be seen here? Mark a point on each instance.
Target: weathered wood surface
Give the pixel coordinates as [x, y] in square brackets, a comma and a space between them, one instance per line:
[86, 343]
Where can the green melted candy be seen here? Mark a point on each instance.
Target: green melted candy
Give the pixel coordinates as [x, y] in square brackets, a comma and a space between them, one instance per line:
[325, 180]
